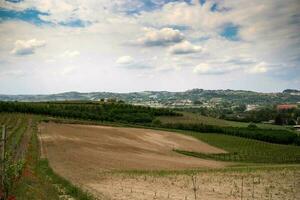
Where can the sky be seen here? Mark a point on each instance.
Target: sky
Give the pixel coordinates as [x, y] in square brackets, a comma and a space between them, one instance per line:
[52, 46]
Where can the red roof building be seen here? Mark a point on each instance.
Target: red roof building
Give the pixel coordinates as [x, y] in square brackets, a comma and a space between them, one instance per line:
[286, 106]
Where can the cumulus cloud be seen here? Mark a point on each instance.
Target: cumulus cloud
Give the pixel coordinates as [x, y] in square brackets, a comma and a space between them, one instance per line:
[213, 69]
[184, 47]
[132, 63]
[264, 36]
[258, 68]
[70, 54]
[161, 37]
[125, 60]
[205, 68]
[27, 47]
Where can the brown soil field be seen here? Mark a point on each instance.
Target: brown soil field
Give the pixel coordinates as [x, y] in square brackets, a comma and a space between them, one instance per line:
[116, 148]
[94, 157]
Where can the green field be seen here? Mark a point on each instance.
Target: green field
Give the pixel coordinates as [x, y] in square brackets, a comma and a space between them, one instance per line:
[191, 118]
[246, 150]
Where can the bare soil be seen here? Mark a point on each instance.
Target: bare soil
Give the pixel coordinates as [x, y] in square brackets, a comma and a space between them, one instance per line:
[93, 156]
[258, 185]
[82, 152]
[117, 148]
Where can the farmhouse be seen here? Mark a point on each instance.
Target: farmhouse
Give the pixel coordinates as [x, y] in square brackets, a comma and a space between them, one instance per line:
[286, 106]
[251, 107]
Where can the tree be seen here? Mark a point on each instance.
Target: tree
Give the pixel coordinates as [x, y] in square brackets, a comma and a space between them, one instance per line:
[278, 120]
[252, 126]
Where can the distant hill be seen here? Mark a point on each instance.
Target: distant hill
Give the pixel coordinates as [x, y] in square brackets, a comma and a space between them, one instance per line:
[291, 91]
[167, 98]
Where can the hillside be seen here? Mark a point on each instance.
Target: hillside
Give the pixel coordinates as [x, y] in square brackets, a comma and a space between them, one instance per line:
[165, 98]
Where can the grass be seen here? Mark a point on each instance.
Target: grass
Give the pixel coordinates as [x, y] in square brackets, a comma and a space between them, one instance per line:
[245, 150]
[66, 187]
[38, 180]
[15, 137]
[191, 118]
[234, 168]
[32, 184]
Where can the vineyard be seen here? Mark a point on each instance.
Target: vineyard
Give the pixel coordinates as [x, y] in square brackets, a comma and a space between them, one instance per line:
[246, 150]
[25, 176]
[16, 126]
[15, 138]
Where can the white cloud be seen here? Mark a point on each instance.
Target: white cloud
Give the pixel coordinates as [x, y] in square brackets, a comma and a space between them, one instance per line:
[265, 37]
[132, 63]
[125, 60]
[213, 69]
[70, 54]
[205, 68]
[162, 37]
[68, 70]
[184, 47]
[258, 68]
[26, 47]
[200, 18]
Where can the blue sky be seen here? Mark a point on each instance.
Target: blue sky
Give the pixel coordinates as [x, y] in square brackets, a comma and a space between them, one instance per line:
[136, 45]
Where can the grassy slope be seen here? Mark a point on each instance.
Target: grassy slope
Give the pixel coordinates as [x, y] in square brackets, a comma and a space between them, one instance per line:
[196, 118]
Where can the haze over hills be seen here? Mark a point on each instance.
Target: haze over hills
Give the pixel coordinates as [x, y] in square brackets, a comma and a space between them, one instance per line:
[167, 98]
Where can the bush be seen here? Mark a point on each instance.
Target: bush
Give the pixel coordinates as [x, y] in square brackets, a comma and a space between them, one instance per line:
[252, 126]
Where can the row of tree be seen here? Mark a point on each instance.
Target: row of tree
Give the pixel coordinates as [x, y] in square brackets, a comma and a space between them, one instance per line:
[113, 112]
[280, 117]
[125, 113]
[266, 135]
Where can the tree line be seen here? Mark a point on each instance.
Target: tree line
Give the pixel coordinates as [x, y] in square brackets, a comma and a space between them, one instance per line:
[266, 135]
[112, 112]
[126, 113]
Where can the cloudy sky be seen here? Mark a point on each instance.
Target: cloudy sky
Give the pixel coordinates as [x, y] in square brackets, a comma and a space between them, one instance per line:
[50, 46]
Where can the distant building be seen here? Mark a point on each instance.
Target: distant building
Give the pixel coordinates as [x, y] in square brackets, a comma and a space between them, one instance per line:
[251, 107]
[286, 106]
[269, 122]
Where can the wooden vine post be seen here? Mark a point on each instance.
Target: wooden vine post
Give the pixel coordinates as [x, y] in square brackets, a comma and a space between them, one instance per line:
[3, 149]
